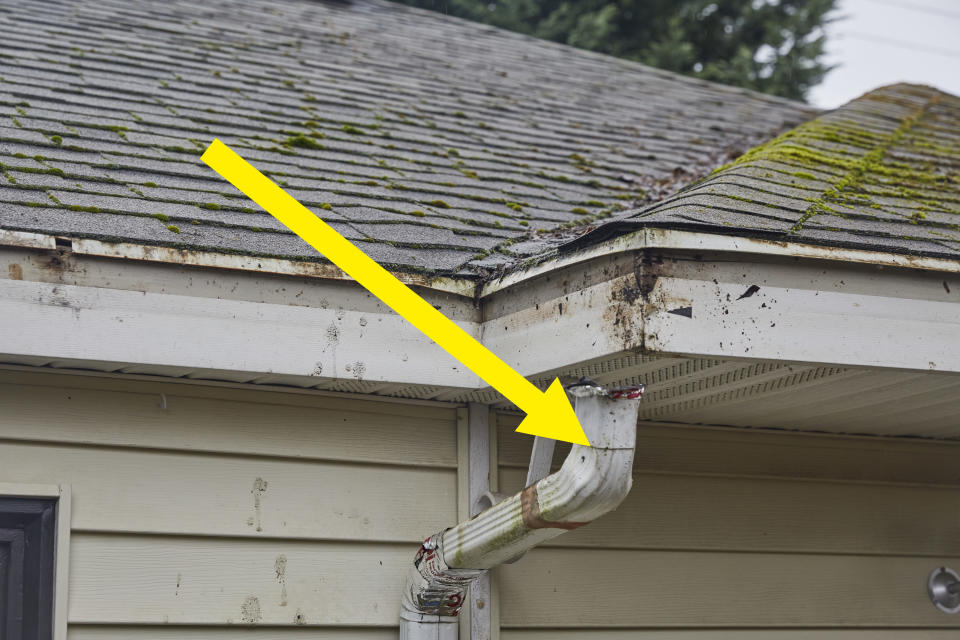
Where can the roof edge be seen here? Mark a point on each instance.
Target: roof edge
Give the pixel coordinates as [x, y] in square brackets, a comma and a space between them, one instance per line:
[465, 287]
[648, 237]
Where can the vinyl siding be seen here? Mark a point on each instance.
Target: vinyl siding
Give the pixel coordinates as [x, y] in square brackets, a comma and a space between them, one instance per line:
[747, 534]
[198, 509]
[195, 507]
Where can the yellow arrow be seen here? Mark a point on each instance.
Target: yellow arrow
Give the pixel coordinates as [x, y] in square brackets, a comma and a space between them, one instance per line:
[549, 413]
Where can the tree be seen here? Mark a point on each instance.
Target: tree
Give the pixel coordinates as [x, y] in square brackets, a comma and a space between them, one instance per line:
[775, 46]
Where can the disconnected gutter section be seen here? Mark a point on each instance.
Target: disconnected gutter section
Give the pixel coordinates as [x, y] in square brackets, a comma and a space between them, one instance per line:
[592, 481]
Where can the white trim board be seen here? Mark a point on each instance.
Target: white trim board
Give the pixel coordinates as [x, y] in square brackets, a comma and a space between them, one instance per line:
[248, 327]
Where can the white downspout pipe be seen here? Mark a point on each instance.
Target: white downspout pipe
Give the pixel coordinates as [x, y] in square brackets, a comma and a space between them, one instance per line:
[592, 481]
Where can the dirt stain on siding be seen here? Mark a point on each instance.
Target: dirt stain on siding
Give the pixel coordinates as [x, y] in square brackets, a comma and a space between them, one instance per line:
[250, 610]
[280, 568]
[259, 488]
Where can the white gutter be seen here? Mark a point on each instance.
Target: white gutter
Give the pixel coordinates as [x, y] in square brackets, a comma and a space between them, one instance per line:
[667, 239]
[645, 238]
[592, 481]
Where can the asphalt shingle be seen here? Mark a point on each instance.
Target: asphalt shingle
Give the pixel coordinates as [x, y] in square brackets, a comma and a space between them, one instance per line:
[880, 173]
[473, 138]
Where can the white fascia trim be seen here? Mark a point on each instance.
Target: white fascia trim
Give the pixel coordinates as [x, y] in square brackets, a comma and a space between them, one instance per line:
[543, 329]
[651, 238]
[188, 333]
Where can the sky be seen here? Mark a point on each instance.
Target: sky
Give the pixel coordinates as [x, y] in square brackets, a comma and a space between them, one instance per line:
[878, 42]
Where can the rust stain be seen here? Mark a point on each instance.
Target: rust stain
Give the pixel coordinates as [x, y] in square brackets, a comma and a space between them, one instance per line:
[284, 266]
[530, 511]
[634, 300]
[15, 271]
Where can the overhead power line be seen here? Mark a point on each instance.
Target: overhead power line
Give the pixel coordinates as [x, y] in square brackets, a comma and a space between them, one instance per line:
[920, 8]
[903, 44]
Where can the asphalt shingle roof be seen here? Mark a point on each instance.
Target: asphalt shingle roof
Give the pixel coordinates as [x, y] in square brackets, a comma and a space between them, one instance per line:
[880, 173]
[439, 142]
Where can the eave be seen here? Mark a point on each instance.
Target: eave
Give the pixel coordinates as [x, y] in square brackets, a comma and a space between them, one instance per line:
[652, 306]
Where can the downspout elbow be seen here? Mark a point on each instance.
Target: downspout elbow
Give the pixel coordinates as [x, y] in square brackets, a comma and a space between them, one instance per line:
[591, 482]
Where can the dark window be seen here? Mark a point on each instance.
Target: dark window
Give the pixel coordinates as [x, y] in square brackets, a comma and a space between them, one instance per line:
[27, 539]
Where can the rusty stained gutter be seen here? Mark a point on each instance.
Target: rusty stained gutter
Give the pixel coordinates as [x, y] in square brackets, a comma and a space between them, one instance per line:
[212, 259]
[656, 238]
[592, 482]
[646, 238]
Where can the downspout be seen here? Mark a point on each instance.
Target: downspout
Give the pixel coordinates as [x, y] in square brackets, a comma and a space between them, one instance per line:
[592, 481]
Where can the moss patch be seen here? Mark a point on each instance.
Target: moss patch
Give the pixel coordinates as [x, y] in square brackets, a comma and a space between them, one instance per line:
[302, 141]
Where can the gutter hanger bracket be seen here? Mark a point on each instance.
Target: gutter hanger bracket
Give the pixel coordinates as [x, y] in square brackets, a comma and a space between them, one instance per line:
[591, 482]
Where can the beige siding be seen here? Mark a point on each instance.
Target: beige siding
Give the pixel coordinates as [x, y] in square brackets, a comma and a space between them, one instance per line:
[200, 510]
[209, 507]
[738, 534]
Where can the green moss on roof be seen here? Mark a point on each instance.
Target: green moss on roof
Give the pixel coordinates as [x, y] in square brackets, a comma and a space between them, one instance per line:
[886, 163]
[302, 141]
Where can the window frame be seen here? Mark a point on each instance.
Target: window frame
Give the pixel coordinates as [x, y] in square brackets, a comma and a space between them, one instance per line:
[61, 545]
